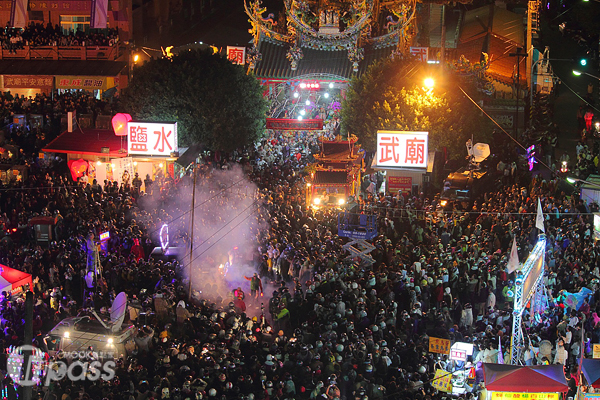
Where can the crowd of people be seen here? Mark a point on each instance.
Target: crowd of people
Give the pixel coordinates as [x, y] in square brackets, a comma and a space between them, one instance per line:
[326, 326]
[36, 34]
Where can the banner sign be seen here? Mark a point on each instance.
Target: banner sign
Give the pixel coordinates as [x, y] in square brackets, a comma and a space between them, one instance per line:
[442, 381]
[18, 13]
[437, 345]
[28, 81]
[236, 55]
[99, 16]
[81, 82]
[422, 53]
[294, 124]
[402, 149]
[397, 183]
[152, 138]
[527, 396]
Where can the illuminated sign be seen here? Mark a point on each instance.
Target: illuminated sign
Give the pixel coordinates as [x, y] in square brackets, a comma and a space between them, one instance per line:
[236, 55]
[152, 138]
[104, 236]
[527, 396]
[460, 350]
[402, 149]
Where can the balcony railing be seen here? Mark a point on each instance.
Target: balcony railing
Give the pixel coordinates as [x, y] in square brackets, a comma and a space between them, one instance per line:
[110, 53]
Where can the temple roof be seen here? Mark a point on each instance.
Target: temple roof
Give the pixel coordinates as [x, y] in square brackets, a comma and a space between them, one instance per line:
[274, 63]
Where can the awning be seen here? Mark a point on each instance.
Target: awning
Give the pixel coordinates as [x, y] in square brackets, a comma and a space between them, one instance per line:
[535, 379]
[96, 142]
[62, 67]
[12, 279]
[591, 371]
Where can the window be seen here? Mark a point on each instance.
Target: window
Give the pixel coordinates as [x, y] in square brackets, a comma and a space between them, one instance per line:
[73, 23]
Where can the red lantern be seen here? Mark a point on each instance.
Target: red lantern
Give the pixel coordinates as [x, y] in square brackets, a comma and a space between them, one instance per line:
[119, 123]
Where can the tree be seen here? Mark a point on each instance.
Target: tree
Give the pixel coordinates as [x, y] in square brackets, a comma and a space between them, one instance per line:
[389, 96]
[213, 101]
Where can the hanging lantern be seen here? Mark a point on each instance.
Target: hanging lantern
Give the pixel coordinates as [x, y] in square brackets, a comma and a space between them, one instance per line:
[119, 123]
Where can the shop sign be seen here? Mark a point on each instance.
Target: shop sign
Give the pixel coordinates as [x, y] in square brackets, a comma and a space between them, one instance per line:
[396, 183]
[52, 5]
[437, 345]
[402, 149]
[152, 138]
[458, 355]
[237, 55]
[596, 350]
[27, 81]
[81, 82]
[527, 396]
[442, 381]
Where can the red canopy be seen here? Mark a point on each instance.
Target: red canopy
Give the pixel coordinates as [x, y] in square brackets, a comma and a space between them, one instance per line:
[12, 279]
[535, 379]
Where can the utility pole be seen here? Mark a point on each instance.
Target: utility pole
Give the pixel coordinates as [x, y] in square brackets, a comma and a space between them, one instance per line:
[519, 54]
[28, 340]
[192, 236]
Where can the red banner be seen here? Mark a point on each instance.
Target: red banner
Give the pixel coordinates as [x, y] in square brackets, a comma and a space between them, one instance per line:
[294, 124]
[28, 81]
[396, 183]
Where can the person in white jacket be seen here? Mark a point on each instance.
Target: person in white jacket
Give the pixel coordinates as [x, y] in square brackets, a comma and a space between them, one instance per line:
[561, 355]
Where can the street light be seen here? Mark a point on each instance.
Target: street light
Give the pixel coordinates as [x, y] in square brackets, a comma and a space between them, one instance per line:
[429, 82]
[577, 180]
[578, 73]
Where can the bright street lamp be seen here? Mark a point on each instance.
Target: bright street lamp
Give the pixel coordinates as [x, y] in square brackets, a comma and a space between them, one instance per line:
[577, 180]
[579, 73]
[429, 82]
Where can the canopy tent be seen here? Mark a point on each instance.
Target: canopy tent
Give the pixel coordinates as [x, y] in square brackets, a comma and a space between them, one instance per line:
[12, 279]
[535, 379]
[591, 371]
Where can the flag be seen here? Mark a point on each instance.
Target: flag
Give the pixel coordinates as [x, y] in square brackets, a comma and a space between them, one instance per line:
[99, 15]
[500, 354]
[18, 13]
[539, 219]
[513, 261]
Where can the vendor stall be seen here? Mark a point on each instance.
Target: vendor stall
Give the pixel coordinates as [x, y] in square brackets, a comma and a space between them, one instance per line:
[12, 280]
[589, 383]
[503, 381]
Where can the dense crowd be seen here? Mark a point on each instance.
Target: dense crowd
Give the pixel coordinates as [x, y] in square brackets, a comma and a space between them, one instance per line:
[33, 121]
[329, 327]
[36, 34]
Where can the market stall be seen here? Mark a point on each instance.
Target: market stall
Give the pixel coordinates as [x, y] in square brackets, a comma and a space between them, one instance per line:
[536, 382]
[12, 280]
[589, 383]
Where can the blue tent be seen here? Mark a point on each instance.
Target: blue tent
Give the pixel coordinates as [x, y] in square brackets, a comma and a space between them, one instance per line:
[591, 371]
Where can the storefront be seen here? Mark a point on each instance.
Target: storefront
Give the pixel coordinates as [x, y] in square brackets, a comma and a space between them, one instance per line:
[404, 159]
[152, 148]
[145, 148]
[29, 77]
[538, 382]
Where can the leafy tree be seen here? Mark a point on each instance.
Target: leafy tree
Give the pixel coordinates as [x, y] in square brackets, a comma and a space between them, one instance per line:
[389, 96]
[213, 101]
